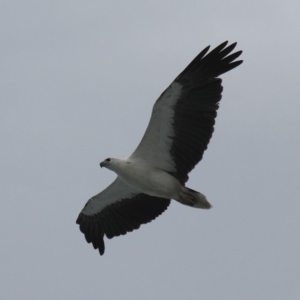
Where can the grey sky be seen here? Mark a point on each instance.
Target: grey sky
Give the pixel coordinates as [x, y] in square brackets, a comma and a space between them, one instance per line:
[78, 81]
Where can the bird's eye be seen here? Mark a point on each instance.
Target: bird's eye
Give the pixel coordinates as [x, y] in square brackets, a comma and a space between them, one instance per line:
[108, 159]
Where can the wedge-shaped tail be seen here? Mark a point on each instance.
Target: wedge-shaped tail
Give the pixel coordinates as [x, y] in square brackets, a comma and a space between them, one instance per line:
[193, 198]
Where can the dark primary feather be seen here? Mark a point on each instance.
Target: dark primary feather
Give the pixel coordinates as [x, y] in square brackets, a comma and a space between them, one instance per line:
[196, 110]
[119, 218]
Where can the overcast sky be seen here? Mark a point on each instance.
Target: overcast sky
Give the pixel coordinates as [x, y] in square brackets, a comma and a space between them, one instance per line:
[78, 81]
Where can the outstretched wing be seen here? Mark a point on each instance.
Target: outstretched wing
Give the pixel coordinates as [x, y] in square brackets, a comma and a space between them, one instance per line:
[117, 210]
[183, 117]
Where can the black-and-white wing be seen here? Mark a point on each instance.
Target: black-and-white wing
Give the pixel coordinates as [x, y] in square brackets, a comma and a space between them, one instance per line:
[117, 210]
[183, 117]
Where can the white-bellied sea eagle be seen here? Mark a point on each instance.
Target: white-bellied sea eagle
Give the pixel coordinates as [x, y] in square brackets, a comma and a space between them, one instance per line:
[180, 127]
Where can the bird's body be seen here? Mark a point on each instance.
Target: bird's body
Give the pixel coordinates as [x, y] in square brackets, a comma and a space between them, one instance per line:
[180, 127]
[151, 180]
[147, 179]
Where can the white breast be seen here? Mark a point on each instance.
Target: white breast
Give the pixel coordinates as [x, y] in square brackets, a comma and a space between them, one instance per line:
[149, 180]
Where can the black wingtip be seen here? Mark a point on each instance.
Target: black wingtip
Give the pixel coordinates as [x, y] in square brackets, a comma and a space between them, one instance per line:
[212, 64]
[220, 47]
[203, 52]
[78, 220]
[101, 250]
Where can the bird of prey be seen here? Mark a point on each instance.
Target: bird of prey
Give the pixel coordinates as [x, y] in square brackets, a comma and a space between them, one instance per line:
[180, 128]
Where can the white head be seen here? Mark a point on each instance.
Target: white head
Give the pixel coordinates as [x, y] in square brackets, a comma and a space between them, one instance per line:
[114, 164]
[108, 163]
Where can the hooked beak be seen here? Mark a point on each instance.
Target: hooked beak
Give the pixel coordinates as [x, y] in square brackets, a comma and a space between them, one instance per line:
[102, 164]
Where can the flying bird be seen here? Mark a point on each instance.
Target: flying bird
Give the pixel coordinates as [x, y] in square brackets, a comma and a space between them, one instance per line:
[180, 128]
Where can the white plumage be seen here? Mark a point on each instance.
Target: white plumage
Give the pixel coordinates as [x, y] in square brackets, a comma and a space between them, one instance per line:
[178, 133]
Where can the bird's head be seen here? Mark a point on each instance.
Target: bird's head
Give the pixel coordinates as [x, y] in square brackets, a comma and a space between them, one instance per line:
[114, 164]
[107, 163]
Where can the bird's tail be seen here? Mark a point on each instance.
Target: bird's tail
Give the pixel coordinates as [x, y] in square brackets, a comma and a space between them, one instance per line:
[193, 198]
